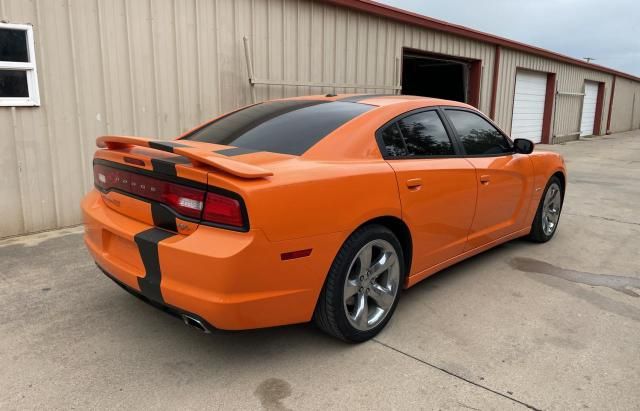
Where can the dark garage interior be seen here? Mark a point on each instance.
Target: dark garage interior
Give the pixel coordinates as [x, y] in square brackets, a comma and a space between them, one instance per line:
[434, 76]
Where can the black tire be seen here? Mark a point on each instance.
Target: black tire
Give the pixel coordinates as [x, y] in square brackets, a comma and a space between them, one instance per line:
[537, 233]
[330, 314]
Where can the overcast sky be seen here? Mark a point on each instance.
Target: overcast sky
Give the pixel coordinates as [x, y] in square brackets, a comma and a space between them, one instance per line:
[608, 30]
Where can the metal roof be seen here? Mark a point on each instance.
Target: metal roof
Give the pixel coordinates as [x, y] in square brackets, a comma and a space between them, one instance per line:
[408, 17]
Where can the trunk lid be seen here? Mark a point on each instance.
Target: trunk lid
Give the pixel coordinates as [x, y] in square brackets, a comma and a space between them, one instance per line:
[162, 183]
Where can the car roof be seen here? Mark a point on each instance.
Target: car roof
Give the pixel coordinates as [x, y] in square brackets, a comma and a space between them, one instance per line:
[381, 100]
[351, 139]
[355, 140]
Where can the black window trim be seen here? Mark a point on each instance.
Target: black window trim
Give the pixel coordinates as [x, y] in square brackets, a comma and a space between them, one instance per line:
[444, 110]
[457, 147]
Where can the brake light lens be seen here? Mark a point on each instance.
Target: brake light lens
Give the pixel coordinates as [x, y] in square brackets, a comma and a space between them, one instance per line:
[186, 201]
[223, 210]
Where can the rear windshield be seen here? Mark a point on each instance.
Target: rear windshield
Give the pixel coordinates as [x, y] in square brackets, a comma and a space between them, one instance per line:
[287, 127]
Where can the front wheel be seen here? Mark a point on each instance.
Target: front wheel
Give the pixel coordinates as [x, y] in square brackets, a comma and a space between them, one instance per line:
[547, 217]
[363, 285]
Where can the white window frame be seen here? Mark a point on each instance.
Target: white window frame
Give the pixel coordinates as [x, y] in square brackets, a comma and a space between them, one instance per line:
[30, 68]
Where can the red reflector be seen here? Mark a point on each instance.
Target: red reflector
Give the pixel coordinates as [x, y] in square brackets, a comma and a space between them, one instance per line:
[295, 254]
[222, 210]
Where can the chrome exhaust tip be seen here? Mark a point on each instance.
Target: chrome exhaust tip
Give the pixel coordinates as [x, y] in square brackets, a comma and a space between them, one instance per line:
[195, 323]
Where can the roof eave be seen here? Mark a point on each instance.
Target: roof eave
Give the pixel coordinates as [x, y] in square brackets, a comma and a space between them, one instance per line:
[408, 17]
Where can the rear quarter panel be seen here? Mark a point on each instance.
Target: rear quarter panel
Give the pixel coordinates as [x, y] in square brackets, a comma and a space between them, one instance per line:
[309, 204]
[314, 198]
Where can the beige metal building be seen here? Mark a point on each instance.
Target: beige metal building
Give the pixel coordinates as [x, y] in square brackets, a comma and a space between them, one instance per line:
[71, 70]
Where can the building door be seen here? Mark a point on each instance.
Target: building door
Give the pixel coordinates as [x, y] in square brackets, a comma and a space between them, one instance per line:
[588, 108]
[528, 105]
[441, 76]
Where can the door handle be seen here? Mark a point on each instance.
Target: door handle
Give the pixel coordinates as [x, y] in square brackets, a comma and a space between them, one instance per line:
[485, 178]
[414, 183]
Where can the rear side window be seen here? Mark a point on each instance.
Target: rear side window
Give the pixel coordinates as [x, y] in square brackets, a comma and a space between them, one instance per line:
[287, 127]
[425, 135]
[418, 135]
[477, 135]
[393, 141]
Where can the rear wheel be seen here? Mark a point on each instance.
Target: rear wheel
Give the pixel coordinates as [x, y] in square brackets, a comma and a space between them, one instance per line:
[548, 215]
[363, 285]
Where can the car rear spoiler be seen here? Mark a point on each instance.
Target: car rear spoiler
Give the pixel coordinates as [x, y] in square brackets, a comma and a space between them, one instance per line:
[197, 156]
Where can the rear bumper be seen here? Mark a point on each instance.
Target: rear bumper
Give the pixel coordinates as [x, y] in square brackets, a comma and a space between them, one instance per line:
[173, 311]
[230, 280]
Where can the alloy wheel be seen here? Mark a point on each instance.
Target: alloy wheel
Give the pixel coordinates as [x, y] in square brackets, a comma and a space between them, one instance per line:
[551, 209]
[371, 285]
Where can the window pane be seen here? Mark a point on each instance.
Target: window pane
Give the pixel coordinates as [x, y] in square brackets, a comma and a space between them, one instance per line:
[393, 142]
[288, 127]
[425, 135]
[13, 83]
[478, 135]
[13, 46]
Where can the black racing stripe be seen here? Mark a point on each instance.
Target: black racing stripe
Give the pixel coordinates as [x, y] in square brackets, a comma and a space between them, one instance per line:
[356, 99]
[163, 217]
[167, 308]
[168, 165]
[147, 242]
[176, 159]
[165, 145]
[164, 167]
[235, 151]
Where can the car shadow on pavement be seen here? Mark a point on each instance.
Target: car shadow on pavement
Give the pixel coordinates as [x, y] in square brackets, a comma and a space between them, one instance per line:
[82, 307]
[252, 345]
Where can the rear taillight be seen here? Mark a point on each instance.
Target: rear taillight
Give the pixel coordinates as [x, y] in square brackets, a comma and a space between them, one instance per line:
[186, 201]
[221, 209]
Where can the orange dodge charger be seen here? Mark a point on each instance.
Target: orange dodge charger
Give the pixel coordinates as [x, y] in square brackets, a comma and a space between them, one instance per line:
[319, 207]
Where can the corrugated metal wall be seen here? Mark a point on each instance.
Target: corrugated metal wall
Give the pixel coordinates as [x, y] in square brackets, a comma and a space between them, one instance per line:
[143, 67]
[314, 42]
[626, 106]
[159, 67]
[569, 79]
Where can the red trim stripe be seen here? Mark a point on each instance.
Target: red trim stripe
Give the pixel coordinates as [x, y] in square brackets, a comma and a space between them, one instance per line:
[599, 103]
[613, 91]
[494, 84]
[547, 116]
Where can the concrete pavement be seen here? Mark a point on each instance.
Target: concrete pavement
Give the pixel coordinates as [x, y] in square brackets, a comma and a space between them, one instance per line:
[551, 326]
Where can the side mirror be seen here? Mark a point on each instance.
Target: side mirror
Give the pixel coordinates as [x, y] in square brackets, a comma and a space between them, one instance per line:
[523, 146]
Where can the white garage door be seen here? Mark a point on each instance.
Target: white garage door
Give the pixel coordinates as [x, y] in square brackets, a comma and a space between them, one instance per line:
[588, 108]
[528, 105]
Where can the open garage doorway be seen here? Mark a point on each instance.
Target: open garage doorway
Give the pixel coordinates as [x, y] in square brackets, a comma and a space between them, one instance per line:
[440, 76]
